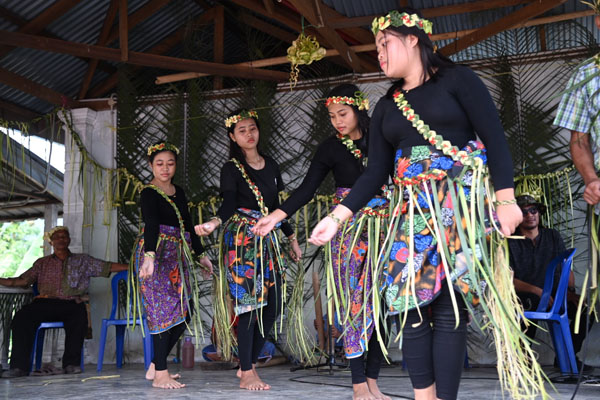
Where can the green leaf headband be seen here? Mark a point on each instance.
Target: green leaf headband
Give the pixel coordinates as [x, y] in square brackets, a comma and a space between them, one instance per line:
[394, 18]
[234, 119]
[162, 146]
[359, 100]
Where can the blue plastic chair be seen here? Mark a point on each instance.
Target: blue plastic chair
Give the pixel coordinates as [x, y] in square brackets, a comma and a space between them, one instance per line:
[556, 317]
[38, 343]
[120, 325]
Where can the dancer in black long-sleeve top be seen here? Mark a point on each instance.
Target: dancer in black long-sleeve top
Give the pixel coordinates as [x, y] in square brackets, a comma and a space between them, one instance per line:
[250, 183]
[423, 131]
[344, 154]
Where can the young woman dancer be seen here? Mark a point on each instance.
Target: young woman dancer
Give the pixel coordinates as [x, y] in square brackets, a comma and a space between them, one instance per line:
[433, 271]
[344, 154]
[165, 259]
[250, 183]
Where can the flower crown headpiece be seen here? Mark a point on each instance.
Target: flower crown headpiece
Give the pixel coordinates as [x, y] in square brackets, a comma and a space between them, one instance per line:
[234, 119]
[397, 19]
[48, 235]
[359, 100]
[162, 146]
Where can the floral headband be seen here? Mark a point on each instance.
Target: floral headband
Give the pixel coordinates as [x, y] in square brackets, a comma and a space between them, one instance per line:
[162, 146]
[48, 235]
[359, 100]
[394, 18]
[234, 119]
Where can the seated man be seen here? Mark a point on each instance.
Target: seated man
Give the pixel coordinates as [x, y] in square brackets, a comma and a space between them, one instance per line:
[63, 279]
[529, 259]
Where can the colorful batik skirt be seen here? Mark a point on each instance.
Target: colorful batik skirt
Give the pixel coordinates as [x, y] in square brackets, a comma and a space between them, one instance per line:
[251, 263]
[430, 241]
[164, 300]
[352, 274]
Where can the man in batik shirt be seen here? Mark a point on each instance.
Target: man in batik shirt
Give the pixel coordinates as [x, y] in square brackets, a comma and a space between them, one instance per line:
[62, 279]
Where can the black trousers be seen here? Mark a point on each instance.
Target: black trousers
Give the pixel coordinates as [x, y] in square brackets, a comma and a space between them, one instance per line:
[163, 343]
[250, 338]
[26, 321]
[530, 303]
[361, 370]
[434, 349]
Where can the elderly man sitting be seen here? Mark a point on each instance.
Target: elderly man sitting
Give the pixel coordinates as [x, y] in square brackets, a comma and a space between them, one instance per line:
[63, 279]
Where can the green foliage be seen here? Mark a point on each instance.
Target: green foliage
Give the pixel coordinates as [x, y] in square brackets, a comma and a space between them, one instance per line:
[20, 245]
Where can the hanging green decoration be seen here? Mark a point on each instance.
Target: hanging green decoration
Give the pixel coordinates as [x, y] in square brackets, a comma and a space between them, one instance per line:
[303, 51]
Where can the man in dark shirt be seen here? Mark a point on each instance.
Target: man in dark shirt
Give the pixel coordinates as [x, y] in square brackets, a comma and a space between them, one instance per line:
[63, 279]
[529, 259]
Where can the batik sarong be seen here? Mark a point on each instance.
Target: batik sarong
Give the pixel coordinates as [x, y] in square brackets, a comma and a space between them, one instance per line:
[423, 174]
[162, 293]
[251, 262]
[353, 278]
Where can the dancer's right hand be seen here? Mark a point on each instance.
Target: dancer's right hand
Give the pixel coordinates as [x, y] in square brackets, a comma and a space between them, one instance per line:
[323, 232]
[147, 268]
[266, 224]
[206, 228]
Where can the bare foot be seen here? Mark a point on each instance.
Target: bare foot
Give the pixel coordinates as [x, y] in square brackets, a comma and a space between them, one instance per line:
[151, 371]
[361, 392]
[374, 389]
[163, 380]
[250, 380]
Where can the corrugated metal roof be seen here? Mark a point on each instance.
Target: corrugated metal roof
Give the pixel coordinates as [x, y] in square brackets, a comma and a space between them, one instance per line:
[83, 22]
[27, 183]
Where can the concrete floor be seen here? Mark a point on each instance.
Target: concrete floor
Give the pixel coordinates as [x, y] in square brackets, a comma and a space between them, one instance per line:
[128, 383]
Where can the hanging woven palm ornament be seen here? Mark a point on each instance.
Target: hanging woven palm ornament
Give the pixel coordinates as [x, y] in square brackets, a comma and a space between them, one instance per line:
[303, 51]
[594, 5]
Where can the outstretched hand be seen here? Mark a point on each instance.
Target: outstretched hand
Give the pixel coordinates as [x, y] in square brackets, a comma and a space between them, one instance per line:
[206, 228]
[147, 268]
[509, 216]
[264, 225]
[208, 267]
[323, 232]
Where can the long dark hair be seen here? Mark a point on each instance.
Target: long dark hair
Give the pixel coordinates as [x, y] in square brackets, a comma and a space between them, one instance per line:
[235, 151]
[430, 59]
[349, 90]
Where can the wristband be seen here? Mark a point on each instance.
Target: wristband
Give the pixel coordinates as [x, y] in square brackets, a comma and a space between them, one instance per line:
[217, 218]
[334, 218]
[149, 255]
[505, 202]
[292, 237]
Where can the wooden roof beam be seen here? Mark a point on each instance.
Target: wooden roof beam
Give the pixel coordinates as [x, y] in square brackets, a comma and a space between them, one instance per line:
[312, 13]
[160, 48]
[35, 89]
[138, 17]
[510, 21]
[137, 58]
[123, 31]
[219, 43]
[371, 46]
[109, 19]
[38, 24]
[482, 5]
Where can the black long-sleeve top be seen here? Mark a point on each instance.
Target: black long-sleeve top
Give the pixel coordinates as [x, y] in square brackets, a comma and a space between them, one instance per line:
[237, 194]
[331, 155]
[157, 211]
[456, 104]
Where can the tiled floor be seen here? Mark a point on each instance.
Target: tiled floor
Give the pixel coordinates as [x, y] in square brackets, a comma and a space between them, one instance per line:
[128, 383]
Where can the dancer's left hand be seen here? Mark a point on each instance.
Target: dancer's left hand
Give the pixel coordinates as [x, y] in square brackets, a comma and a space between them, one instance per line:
[510, 217]
[208, 267]
[296, 252]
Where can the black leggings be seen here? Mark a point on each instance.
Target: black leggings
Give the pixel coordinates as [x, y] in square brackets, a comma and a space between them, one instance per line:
[250, 340]
[434, 350]
[163, 343]
[360, 372]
